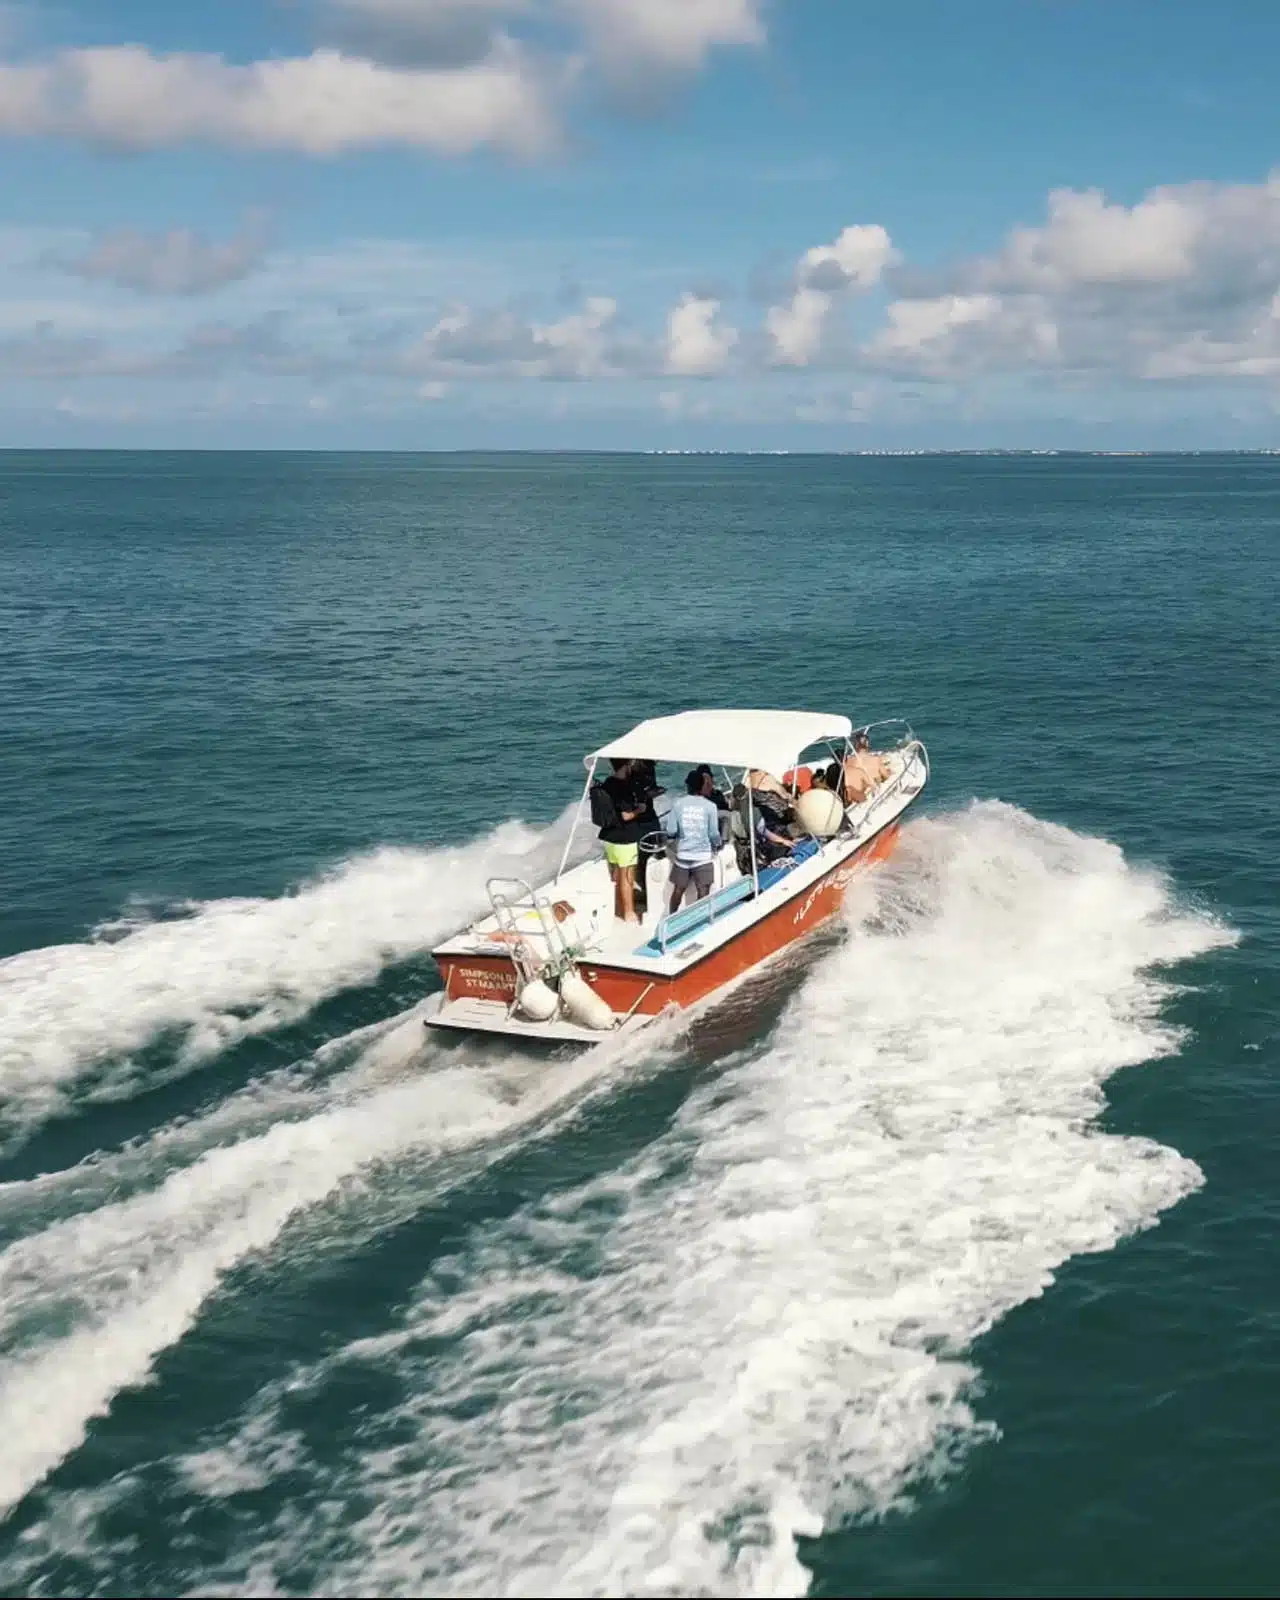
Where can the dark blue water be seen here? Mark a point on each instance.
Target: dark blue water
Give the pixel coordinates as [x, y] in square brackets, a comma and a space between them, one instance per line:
[940, 1261]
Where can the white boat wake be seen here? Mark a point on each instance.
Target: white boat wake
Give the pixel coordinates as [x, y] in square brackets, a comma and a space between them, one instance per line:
[653, 1382]
[72, 1016]
[128, 1278]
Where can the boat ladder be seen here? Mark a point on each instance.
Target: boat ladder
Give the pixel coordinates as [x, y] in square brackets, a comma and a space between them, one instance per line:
[509, 910]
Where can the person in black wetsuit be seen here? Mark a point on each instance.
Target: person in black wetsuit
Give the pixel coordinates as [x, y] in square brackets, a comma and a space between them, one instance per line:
[644, 778]
[620, 837]
[724, 809]
[713, 794]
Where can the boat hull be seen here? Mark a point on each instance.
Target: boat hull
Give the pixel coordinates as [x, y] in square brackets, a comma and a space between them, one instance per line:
[634, 993]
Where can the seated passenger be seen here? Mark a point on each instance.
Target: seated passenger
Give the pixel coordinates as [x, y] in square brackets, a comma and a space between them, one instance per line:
[769, 796]
[877, 768]
[761, 782]
[694, 823]
[771, 844]
[768, 813]
[864, 770]
[854, 784]
[777, 813]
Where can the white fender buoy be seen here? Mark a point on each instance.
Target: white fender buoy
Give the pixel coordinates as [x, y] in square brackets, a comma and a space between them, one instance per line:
[538, 1001]
[820, 813]
[583, 1004]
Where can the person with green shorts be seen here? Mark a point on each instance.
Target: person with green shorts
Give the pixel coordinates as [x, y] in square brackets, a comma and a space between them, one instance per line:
[621, 838]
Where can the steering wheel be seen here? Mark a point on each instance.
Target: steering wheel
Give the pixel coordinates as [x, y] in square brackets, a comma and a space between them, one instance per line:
[655, 844]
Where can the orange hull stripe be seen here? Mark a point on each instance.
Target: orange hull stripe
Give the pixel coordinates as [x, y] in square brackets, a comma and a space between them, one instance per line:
[493, 977]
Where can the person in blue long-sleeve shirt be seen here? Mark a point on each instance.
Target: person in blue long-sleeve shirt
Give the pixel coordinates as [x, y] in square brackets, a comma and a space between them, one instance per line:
[694, 823]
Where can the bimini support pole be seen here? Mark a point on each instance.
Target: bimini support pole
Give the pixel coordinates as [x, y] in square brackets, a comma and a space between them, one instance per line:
[577, 817]
[751, 839]
[842, 759]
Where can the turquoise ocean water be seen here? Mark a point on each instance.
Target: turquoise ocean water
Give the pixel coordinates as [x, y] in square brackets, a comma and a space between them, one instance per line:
[941, 1261]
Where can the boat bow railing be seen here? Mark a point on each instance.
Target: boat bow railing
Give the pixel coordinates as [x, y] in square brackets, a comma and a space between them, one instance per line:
[911, 750]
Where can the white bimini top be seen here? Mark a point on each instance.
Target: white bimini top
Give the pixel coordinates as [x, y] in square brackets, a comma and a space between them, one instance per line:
[770, 740]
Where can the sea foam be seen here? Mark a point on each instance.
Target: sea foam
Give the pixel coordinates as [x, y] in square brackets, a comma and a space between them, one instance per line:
[657, 1382]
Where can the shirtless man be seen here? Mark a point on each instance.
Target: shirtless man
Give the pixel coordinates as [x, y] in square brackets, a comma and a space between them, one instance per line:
[864, 771]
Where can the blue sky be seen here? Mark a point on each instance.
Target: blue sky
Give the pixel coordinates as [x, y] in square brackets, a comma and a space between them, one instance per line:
[799, 224]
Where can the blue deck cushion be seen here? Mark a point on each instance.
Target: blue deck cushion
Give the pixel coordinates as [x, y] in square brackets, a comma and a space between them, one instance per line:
[779, 870]
[678, 926]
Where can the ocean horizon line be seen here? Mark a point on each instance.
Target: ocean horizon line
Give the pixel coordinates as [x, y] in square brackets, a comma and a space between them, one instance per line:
[644, 452]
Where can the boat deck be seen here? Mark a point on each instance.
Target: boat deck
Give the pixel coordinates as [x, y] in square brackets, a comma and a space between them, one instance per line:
[583, 899]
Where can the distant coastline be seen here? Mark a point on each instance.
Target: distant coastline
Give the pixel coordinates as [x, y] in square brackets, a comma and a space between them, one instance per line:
[599, 451]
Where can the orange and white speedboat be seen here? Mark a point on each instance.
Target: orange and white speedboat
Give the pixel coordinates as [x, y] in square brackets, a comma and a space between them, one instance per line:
[552, 962]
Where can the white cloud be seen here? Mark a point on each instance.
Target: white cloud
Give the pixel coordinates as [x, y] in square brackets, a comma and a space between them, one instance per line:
[1254, 352]
[795, 329]
[628, 40]
[446, 76]
[179, 262]
[635, 39]
[916, 323]
[1088, 241]
[321, 104]
[347, 321]
[939, 335]
[579, 345]
[414, 33]
[1182, 284]
[696, 347]
[855, 261]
